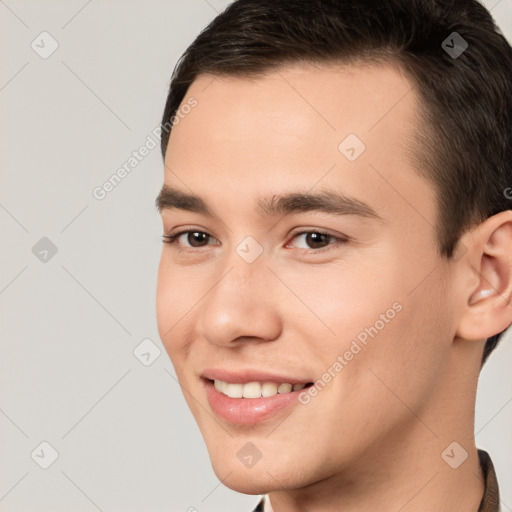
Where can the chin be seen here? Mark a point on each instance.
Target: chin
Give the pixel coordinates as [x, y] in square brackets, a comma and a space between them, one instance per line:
[244, 480]
[258, 479]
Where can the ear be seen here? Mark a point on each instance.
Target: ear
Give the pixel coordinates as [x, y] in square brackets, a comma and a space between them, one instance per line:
[485, 278]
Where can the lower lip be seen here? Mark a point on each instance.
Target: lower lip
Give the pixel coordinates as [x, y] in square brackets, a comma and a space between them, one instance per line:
[247, 411]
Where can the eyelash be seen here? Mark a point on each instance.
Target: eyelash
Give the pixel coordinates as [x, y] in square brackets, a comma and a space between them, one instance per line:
[172, 239]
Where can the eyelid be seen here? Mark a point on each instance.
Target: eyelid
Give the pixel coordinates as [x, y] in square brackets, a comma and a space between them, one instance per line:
[339, 239]
[302, 230]
[174, 234]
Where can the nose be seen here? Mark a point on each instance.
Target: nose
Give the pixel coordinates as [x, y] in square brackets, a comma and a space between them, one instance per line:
[242, 304]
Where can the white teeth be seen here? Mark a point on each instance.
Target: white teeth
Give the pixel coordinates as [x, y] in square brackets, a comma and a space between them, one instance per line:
[284, 388]
[221, 386]
[268, 389]
[254, 389]
[251, 390]
[234, 390]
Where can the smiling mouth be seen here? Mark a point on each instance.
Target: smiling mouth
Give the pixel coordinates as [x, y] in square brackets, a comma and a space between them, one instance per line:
[256, 389]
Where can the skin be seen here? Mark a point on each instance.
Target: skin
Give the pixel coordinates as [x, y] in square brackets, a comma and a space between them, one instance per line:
[372, 439]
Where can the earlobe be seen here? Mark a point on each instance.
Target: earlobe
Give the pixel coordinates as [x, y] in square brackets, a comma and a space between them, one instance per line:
[488, 307]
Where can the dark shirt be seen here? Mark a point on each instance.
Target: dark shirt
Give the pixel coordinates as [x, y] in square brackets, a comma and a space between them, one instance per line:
[490, 500]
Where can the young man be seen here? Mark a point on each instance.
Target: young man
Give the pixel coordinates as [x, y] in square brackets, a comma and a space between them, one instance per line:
[338, 266]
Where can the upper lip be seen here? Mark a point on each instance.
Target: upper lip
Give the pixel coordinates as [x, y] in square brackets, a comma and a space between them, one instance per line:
[249, 375]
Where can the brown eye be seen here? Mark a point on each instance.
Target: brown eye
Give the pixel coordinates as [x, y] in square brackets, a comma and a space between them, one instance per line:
[196, 238]
[317, 240]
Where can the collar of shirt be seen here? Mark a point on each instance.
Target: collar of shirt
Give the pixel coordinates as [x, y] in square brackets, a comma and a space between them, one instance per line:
[490, 500]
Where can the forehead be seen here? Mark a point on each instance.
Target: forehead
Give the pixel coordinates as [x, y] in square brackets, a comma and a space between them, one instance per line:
[328, 97]
[346, 126]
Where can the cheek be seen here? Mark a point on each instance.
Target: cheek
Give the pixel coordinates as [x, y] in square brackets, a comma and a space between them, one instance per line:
[367, 314]
[175, 297]
[163, 299]
[403, 360]
[342, 299]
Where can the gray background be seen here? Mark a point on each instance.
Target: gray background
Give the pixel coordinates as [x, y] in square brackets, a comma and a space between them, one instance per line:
[68, 376]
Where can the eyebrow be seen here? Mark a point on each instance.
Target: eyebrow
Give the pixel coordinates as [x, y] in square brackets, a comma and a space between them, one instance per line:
[327, 201]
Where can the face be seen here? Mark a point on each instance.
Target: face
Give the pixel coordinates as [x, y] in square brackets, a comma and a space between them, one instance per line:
[339, 285]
